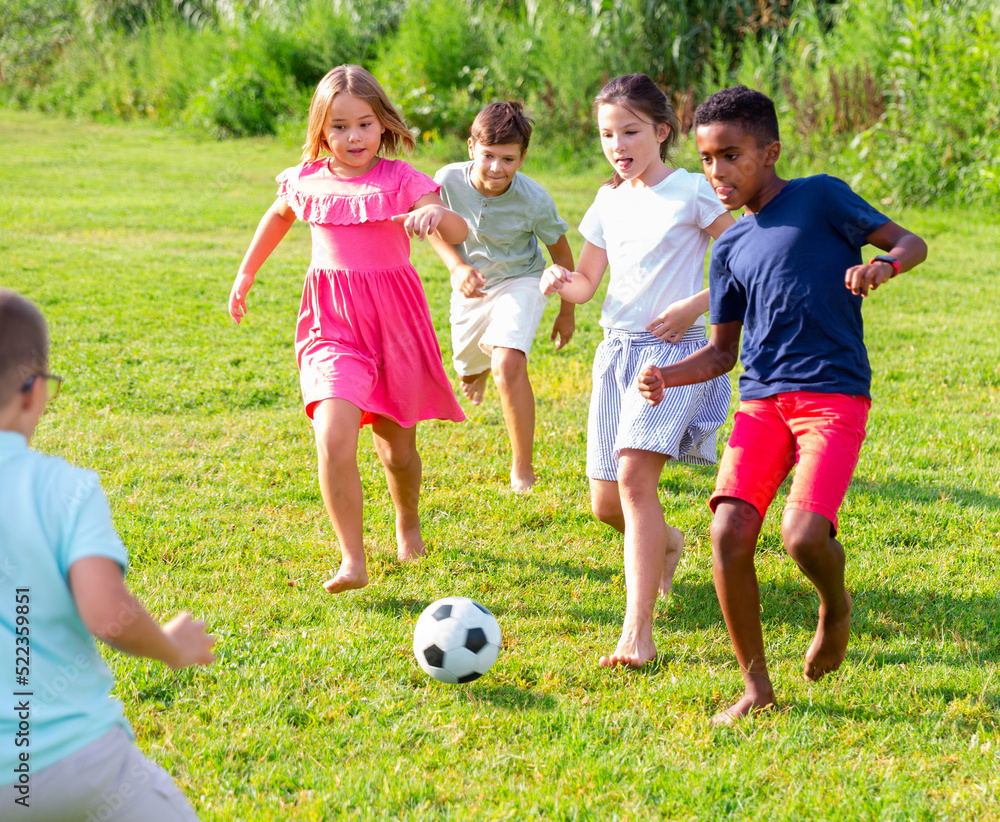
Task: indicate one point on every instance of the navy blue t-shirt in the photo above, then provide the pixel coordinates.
(781, 272)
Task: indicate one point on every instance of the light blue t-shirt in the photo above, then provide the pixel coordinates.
(504, 230)
(51, 515)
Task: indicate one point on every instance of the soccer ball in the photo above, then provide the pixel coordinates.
(456, 640)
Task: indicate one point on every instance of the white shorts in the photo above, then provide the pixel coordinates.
(109, 779)
(507, 317)
(682, 426)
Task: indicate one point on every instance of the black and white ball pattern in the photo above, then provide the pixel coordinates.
(456, 640)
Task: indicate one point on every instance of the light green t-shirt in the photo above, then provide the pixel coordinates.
(53, 675)
(503, 231)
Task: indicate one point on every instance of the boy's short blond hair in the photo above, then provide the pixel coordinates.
(24, 343)
(501, 124)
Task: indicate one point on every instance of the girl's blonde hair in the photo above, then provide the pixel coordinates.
(646, 100)
(357, 82)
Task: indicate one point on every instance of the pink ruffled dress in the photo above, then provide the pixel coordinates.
(364, 331)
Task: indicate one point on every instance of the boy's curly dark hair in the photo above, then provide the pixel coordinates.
(753, 111)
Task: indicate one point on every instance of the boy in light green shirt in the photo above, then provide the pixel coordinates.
(496, 304)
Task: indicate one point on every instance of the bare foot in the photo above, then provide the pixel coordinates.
(521, 482)
(409, 544)
(829, 646)
(348, 578)
(745, 707)
(474, 387)
(675, 547)
(634, 649)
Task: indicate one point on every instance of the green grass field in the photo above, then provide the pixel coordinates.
(129, 237)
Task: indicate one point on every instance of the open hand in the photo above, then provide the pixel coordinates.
(563, 328)
(672, 324)
(651, 384)
(194, 645)
(238, 296)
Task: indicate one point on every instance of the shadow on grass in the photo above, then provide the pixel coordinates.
(397, 605)
(514, 698)
(935, 626)
(900, 490)
(967, 708)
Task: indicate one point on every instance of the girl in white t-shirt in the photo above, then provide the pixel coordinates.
(652, 223)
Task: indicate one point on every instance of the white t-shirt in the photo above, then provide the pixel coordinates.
(656, 245)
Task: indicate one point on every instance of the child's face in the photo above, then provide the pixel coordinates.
(736, 167)
(494, 167)
(631, 144)
(353, 134)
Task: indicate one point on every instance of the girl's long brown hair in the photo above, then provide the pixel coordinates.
(358, 82)
(640, 95)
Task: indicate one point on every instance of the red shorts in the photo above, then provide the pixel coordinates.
(820, 435)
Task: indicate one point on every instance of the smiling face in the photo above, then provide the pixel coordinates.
(741, 172)
(494, 167)
(632, 145)
(353, 134)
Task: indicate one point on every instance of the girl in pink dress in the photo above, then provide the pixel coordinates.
(364, 341)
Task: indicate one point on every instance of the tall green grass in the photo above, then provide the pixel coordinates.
(129, 237)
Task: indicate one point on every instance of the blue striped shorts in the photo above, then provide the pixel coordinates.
(682, 426)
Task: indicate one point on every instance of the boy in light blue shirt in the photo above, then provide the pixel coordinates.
(66, 751)
(496, 305)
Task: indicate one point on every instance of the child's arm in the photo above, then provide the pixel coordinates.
(673, 323)
(909, 249)
(116, 617)
(464, 277)
(431, 216)
(565, 324)
(270, 231)
(718, 357)
(579, 285)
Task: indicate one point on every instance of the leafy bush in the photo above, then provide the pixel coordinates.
(122, 76)
(560, 75)
(436, 68)
(33, 34)
(309, 41)
(249, 98)
(899, 97)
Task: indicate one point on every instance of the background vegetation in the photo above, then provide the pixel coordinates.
(128, 237)
(899, 97)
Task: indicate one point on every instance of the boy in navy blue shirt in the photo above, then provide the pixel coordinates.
(791, 275)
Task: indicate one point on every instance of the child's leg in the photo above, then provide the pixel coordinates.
(397, 448)
(474, 386)
(110, 778)
(829, 431)
(808, 540)
(469, 319)
(606, 503)
(510, 373)
(336, 424)
(645, 544)
(735, 528)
